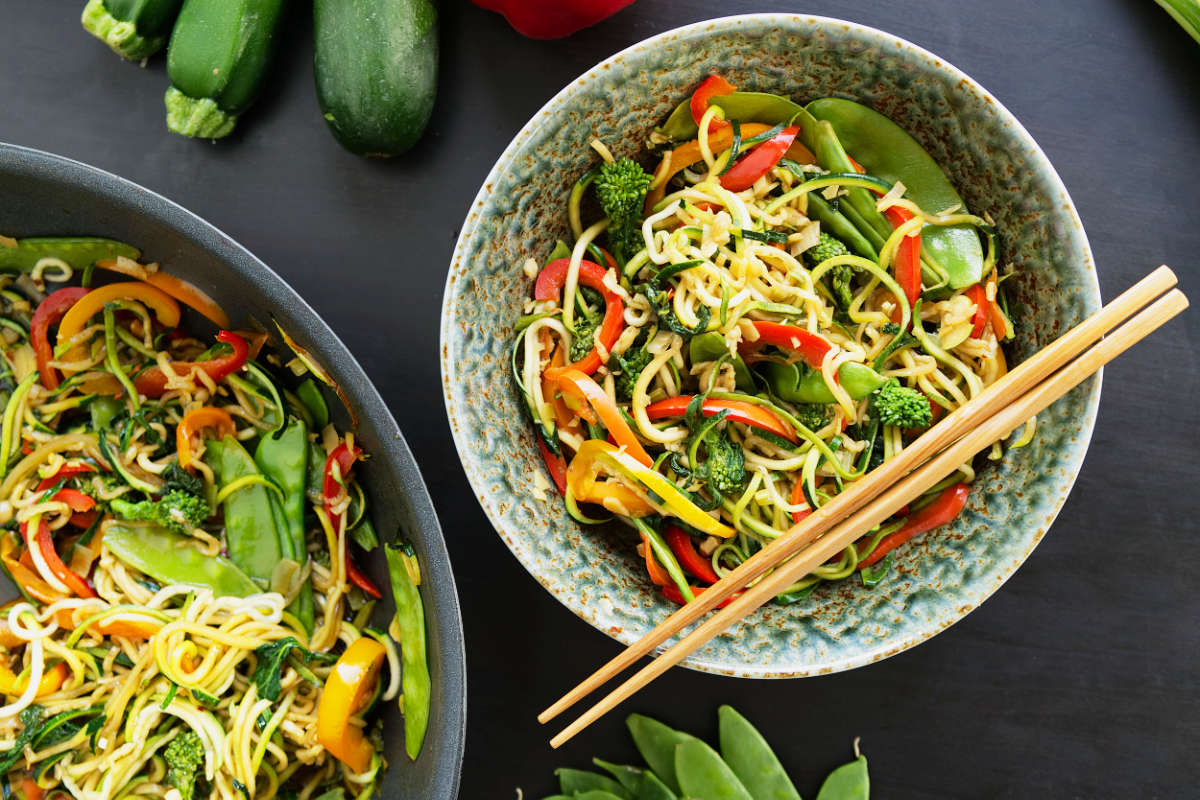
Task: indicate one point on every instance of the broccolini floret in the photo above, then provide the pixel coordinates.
(177, 510)
(812, 415)
(630, 364)
(901, 406)
(828, 247)
(583, 338)
(621, 188)
(184, 755)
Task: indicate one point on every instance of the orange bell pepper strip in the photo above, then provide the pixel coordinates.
(689, 153)
(562, 415)
(347, 691)
(712, 86)
(584, 391)
(1000, 324)
(658, 574)
(31, 790)
(549, 287)
(165, 309)
(187, 293)
(45, 544)
(13, 685)
(24, 576)
(194, 423)
(745, 413)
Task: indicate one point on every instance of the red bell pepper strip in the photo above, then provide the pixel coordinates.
(549, 287)
(948, 505)
(745, 413)
(798, 498)
(759, 161)
(45, 545)
(552, 19)
(556, 465)
(153, 383)
(75, 500)
(908, 256)
(811, 347)
(334, 489)
(710, 87)
(64, 472)
(48, 313)
(672, 593)
(689, 558)
(978, 296)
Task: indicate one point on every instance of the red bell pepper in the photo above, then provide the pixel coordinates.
(978, 296)
(672, 593)
(334, 489)
(745, 413)
(811, 347)
(64, 472)
(759, 161)
(556, 465)
(549, 287)
(691, 560)
(48, 313)
(552, 19)
(153, 383)
(45, 545)
(710, 87)
(945, 507)
(908, 256)
(798, 498)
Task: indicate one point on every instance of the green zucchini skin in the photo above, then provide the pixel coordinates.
(217, 60)
(133, 29)
(376, 71)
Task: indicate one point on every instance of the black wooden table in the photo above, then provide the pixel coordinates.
(1078, 679)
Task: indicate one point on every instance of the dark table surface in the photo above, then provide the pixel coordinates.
(1078, 679)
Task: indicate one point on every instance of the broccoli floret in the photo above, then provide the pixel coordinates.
(184, 755)
(621, 188)
(630, 363)
(840, 276)
(178, 510)
(901, 406)
(726, 464)
(583, 338)
(812, 415)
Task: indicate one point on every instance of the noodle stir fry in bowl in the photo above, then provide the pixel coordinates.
(769, 272)
(185, 504)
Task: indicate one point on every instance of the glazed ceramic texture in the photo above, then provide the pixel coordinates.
(521, 210)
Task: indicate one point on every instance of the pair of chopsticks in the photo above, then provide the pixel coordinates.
(992, 415)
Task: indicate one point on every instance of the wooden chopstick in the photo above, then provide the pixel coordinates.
(886, 503)
(954, 425)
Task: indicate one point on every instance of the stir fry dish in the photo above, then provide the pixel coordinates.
(179, 515)
(785, 300)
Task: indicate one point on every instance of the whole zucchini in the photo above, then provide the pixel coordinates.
(216, 62)
(134, 29)
(376, 71)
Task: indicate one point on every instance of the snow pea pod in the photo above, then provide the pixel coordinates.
(886, 150)
(789, 382)
(80, 252)
(171, 558)
(751, 758)
(641, 783)
(410, 619)
(835, 223)
(577, 781)
(769, 109)
(657, 742)
(847, 782)
(702, 773)
(284, 459)
(251, 534)
(711, 346)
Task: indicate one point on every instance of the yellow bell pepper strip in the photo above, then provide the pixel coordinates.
(583, 484)
(14, 685)
(165, 309)
(672, 501)
(579, 391)
(688, 153)
(187, 293)
(196, 421)
(347, 691)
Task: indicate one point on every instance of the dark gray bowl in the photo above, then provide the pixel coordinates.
(45, 195)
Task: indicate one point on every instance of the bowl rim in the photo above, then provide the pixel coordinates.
(442, 601)
(470, 225)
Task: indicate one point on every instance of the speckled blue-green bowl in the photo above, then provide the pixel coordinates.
(521, 210)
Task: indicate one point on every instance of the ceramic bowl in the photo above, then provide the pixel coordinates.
(44, 195)
(521, 209)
